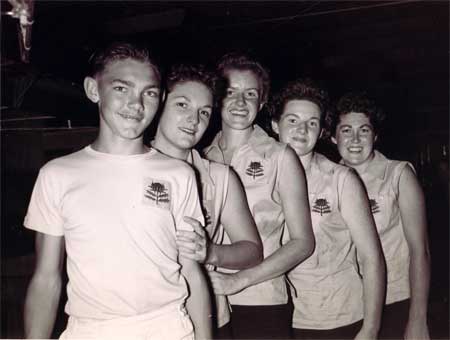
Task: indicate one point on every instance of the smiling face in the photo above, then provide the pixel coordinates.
(355, 138)
(186, 114)
(242, 100)
(299, 126)
(127, 93)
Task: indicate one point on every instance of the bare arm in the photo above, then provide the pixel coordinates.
(246, 249)
(412, 210)
(356, 213)
(294, 198)
(198, 303)
(44, 290)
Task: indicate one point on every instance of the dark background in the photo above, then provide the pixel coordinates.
(396, 50)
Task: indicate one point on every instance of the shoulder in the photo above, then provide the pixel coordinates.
(63, 163)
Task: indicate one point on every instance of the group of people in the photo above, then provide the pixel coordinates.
(251, 237)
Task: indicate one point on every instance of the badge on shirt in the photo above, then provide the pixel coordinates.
(321, 206)
(374, 207)
(157, 193)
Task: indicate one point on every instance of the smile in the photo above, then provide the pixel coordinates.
(355, 149)
(240, 113)
(299, 139)
(130, 117)
(188, 131)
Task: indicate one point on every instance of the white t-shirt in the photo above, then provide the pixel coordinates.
(118, 215)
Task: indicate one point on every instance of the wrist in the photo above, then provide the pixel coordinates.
(211, 255)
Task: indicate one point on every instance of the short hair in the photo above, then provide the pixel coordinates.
(357, 101)
(120, 51)
(300, 89)
(182, 73)
(243, 62)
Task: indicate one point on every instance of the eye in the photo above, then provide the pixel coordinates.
(345, 131)
(251, 94)
(313, 123)
(365, 130)
(292, 120)
(182, 105)
(205, 113)
(229, 92)
(122, 89)
(151, 93)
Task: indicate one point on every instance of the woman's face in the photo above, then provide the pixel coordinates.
(299, 126)
(355, 138)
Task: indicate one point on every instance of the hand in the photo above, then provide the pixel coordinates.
(366, 334)
(226, 284)
(416, 330)
(193, 244)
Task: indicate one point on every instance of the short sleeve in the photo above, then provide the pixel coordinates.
(43, 213)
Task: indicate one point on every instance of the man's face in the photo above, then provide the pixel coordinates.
(128, 94)
(242, 99)
(355, 138)
(299, 125)
(185, 117)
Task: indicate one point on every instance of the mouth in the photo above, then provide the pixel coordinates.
(299, 139)
(188, 131)
(239, 113)
(136, 118)
(355, 149)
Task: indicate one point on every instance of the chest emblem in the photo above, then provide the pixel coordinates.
(157, 193)
(254, 170)
(374, 207)
(321, 206)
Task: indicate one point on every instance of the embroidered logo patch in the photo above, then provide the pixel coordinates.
(157, 193)
(255, 170)
(321, 206)
(374, 206)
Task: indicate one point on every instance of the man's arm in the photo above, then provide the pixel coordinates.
(294, 198)
(356, 213)
(198, 303)
(412, 210)
(246, 249)
(44, 290)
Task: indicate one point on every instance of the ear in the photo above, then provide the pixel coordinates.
(333, 139)
(261, 105)
(375, 139)
(91, 89)
(275, 127)
(321, 133)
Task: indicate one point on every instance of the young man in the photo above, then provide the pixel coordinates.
(331, 300)
(274, 182)
(188, 106)
(115, 207)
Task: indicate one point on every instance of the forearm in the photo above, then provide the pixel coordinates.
(41, 306)
(198, 305)
(419, 278)
(288, 256)
(239, 255)
(374, 291)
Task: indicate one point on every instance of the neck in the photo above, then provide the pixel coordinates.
(361, 168)
(306, 161)
(232, 139)
(169, 150)
(120, 147)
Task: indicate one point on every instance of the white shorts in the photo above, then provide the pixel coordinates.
(173, 324)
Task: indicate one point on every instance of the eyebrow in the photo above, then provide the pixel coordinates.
(131, 84)
(364, 125)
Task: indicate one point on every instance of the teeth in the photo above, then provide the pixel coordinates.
(356, 149)
(238, 112)
(130, 117)
(189, 131)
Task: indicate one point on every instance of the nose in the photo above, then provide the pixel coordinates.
(302, 128)
(240, 99)
(136, 102)
(355, 137)
(193, 117)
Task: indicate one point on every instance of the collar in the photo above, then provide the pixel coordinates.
(201, 165)
(259, 141)
(322, 164)
(377, 167)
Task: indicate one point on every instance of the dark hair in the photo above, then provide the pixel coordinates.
(242, 62)
(299, 89)
(356, 102)
(182, 73)
(120, 51)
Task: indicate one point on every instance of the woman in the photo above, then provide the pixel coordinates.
(398, 207)
(186, 113)
(330, 298)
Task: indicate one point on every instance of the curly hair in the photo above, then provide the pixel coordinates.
(356, 102)
(182, 73)
(120, 51)
(243, 62)
(299, 89)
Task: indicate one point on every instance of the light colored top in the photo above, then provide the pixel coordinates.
(257, 163)
(214, 181)
(381, 179)
(118, 215)
(326, 288)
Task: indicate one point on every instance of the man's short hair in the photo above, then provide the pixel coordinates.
(300, 89)
(356, 102)
(243, 62)
(120, 51)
